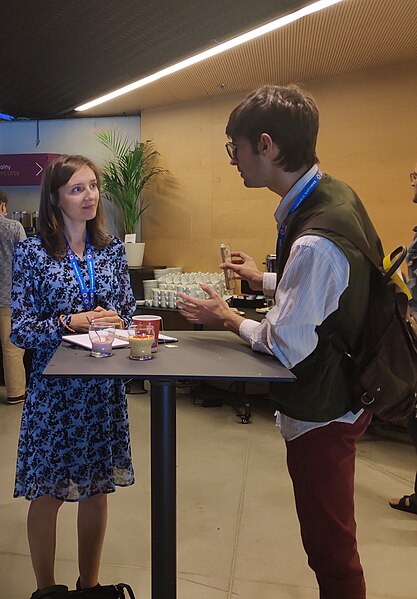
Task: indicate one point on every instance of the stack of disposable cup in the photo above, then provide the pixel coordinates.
(148, 285)
(172, 298)
(159, 272)
(174, 270)
(156, 297)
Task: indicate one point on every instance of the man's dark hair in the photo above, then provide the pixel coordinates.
(288, 115)
(3, 197)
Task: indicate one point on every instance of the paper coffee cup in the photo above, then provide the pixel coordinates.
(155, 321)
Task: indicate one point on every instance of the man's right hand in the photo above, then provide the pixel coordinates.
(244, 267)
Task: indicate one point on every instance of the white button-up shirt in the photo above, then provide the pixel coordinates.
(315, 276)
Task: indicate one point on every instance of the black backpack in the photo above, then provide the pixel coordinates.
(383, 364)
(110, 591)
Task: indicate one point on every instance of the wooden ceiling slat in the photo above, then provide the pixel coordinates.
(354, 35)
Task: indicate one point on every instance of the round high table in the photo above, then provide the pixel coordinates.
(199, 355)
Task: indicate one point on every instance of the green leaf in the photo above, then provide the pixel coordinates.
(128, 171)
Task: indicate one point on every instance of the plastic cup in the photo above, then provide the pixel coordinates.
(141, 337)
(155, 321)
(148, 285)
(101, 337)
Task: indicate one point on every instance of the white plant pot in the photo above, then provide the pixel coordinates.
(134, 253)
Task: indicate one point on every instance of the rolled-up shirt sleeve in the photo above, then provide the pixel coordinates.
(315, 276)
(269, 284)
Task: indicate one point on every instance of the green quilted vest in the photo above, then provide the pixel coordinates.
(322, 390)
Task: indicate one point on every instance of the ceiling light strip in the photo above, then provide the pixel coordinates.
(241, 39)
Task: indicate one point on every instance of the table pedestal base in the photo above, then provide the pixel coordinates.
(163, 490)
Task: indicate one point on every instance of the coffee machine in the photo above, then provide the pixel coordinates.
(29, 220)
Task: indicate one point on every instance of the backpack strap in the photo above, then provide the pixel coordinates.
(336, 226)
(396, 257)
(391, 264)
(123, 585)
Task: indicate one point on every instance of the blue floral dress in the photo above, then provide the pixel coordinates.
(74, 437)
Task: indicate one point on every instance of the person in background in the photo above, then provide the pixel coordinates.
(11, 233)
(74, 439)
(408, 503)
(322, 281)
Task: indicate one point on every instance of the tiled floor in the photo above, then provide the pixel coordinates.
(237, 530)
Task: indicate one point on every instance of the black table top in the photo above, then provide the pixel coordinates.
(198, 355)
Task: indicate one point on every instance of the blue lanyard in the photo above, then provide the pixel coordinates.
(304, 193)
(87, 295)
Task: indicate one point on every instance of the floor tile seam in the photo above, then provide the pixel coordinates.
(384, 470)
(279, 584)
(67, 560)
(271, 583)
(202, 584)
(385, 596)
(126, 566)
(239, 514)
(14, 553)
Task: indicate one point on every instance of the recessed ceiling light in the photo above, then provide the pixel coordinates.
(241, 39)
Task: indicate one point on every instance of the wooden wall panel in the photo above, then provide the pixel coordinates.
(367, 138)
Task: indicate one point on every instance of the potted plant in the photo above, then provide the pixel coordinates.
(130, 169)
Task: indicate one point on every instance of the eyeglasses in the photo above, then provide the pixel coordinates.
(231, 149)
(413, 177)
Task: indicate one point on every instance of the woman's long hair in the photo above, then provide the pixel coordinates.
(51, 223)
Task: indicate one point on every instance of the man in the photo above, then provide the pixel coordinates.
(408, 503)
(11, 232)
(321, 284)
(412, 251)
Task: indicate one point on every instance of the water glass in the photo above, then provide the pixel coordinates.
(101, 337)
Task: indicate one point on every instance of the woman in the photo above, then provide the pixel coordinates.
(74, 439)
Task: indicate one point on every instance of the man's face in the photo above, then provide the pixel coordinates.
(413, 177)
(3, 209)
(251, 166)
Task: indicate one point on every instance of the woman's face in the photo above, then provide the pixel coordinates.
(78, 199)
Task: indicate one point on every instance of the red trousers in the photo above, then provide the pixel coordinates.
(321, 464)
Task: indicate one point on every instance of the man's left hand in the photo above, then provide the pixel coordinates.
(213, 311)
